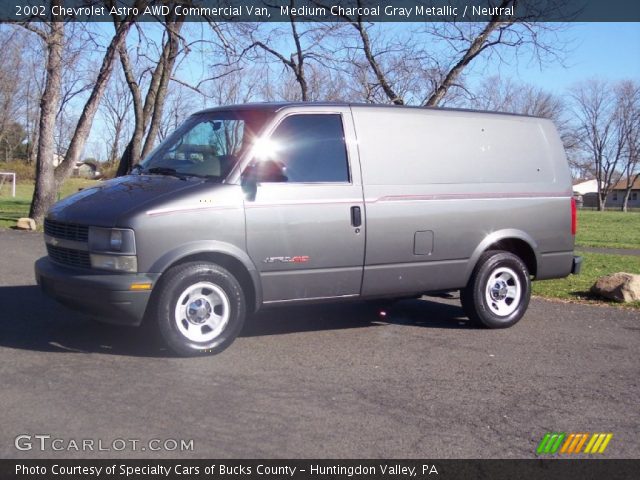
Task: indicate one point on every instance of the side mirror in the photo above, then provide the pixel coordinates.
(249, 182)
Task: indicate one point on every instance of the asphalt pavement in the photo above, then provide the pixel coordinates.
(315, 382)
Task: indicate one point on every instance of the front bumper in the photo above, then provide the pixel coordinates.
(576, 265)
(104, 295)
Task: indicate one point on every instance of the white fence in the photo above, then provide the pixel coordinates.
(3, 177)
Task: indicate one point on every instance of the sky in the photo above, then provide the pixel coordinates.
(610, 51)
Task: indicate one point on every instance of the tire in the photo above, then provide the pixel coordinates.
(498, 292)
(200, 308)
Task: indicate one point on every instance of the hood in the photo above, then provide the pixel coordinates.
(104, 204)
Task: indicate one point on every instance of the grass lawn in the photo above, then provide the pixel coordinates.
(11, 209)
(608, 229)
(594, 265)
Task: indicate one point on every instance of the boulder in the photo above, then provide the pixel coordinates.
(26, 224)
(621, 287)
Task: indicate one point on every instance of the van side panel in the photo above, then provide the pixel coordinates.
(460, 176)
(300, 235)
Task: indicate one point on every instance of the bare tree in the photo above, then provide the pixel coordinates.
(388, 66)
(505, 95)
(48, 177)
(237, 85)
(599, 132)
(16, 97)
(307, 40)
(374, 59)
(330, 85)
(149, 112)
(116, 109)
(475, 43)
(179, 104)
(628, 124)
(78, 76)
(425, 66)
(33, 79)
(45, 188)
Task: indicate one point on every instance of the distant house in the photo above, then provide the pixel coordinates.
(586, 186)
(85, 170)
(616, 196)
(586, 192)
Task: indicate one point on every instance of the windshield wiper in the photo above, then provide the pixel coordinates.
(205, 176)
(165, 171)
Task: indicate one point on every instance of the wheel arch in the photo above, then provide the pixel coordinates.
(227, 256)
(514, 241)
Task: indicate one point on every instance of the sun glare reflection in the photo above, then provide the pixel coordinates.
(265, 149)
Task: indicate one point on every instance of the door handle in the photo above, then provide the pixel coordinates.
(356, 217)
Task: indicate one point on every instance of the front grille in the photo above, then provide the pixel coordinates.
(68, 256)
(68, 231)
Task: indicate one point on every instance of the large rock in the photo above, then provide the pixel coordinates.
(26, 224)
(621, 287)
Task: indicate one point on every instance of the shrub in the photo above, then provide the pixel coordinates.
(24, 172)
(107, 170)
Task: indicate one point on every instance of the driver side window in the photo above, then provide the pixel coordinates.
(308, 148)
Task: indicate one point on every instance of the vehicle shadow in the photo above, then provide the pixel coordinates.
(293, 319)
(31, 321)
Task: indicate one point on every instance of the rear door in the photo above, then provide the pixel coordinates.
(305, 226)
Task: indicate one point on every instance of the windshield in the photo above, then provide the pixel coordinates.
(207, 145)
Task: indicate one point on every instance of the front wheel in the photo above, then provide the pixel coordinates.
(200, 308)
(497, 295)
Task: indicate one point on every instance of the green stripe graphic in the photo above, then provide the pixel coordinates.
(555, 448)
(551, 442)
(547, 448)
(543, 443)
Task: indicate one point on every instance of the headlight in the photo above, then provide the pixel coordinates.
(120, 240)
(120, 263)
(115, 241)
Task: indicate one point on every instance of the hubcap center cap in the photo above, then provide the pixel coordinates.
(499, 290)
(198, 311)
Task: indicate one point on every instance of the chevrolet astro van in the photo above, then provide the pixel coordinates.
(255, 205)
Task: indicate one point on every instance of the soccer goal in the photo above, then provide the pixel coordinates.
(3, 179)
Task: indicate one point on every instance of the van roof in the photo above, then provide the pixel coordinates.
(277, 106)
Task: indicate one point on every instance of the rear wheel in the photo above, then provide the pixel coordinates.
(200, 308)
(498, 292)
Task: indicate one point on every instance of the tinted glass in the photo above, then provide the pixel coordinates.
(309, 148)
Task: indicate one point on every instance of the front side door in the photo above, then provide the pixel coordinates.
(305, 223)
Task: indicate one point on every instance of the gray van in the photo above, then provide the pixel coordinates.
(249, 206)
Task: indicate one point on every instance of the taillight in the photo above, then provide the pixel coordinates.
(574, 217)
